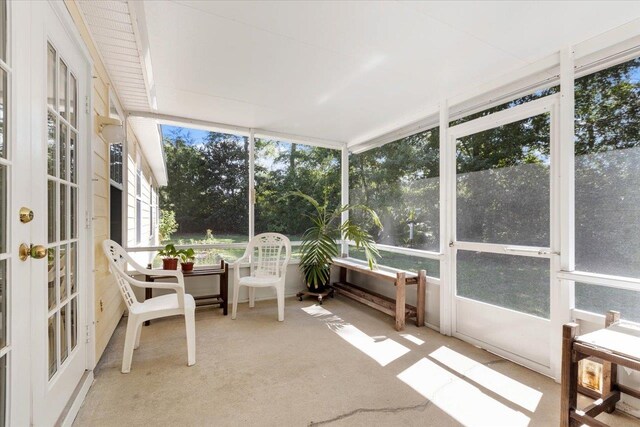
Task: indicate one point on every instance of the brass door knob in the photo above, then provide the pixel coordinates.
(33, 251)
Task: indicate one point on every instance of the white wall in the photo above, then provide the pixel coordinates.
(210, 285)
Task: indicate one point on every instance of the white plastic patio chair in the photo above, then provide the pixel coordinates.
(153, 308)
(268, 268)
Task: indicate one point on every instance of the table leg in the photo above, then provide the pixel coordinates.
(569, 376)
(400, 300)
(422, 296)
(224, 288)
(148, 294)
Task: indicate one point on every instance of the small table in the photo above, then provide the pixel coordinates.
(221, 299)
(616, 345)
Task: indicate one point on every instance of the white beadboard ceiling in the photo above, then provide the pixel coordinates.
(115, 31)
(339, 71)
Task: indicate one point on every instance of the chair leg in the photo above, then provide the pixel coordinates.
(138, 333)
(252, 297)
(234, 303)
(189, 320)
(280, 296)
(129, 343)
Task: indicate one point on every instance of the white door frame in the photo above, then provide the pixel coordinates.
(28, 37)
(549, 104)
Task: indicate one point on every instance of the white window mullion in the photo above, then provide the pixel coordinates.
(344, 165)
(252, 184)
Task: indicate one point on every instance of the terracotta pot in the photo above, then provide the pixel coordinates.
(186, 266)
(169, 263)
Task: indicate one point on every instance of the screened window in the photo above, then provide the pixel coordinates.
(607, 171)
(206, 199)
(400, 181)
(151, 210)
(138, 206)
(601, 299)
(503, 183)
(115, 163)
(282, 167)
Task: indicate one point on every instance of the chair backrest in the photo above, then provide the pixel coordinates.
(118, 260)
(270, 254)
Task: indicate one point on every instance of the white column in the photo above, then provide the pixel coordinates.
(563, 230)
(447, 264)
(252, 184)
(344, 200)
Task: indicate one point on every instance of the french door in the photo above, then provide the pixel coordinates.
(48, 186)
(504, 248)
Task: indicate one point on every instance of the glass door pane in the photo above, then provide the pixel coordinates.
(62, 212)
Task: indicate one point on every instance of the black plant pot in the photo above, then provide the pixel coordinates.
(320, 289)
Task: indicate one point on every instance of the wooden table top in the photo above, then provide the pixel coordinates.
(621, 338)
(208, 270)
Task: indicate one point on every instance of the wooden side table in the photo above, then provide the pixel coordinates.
(616, 345)
(220, 300)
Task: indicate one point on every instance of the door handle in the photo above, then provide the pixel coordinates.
(33, 251)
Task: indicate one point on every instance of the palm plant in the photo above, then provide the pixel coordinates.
(319, 245)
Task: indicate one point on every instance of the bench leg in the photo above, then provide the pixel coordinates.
(610, 370)
(400, 300)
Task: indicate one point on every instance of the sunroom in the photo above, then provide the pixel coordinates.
(486, 153)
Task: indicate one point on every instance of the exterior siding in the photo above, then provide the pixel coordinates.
(109, 306)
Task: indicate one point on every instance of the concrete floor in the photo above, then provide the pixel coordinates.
(257, 371)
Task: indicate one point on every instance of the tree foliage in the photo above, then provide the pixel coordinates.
(502, 183)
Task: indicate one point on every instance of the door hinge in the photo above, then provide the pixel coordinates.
(88, 336)
(87, 224)
(86, 104)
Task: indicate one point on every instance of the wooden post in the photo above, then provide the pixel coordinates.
(422, 297)
(569, 376)
(224, 287)
(400, 300)
(610, 370)
(343, 275)
(612, 317)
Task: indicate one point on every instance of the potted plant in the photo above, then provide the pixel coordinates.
(169, 257)
(187, 259)
(319, 245)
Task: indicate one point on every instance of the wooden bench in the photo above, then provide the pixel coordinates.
(397, 307)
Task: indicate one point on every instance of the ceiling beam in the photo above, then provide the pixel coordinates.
(234, 129)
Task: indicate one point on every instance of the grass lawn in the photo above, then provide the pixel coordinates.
(518, 283)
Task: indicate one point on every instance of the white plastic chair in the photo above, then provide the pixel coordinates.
(268, 268)
(153, 308)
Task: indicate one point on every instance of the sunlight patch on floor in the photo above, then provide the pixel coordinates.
(381, 349)
(412, 338)
(512, 390)
(461, 400)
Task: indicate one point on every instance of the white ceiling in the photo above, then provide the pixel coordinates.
(347, 71)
